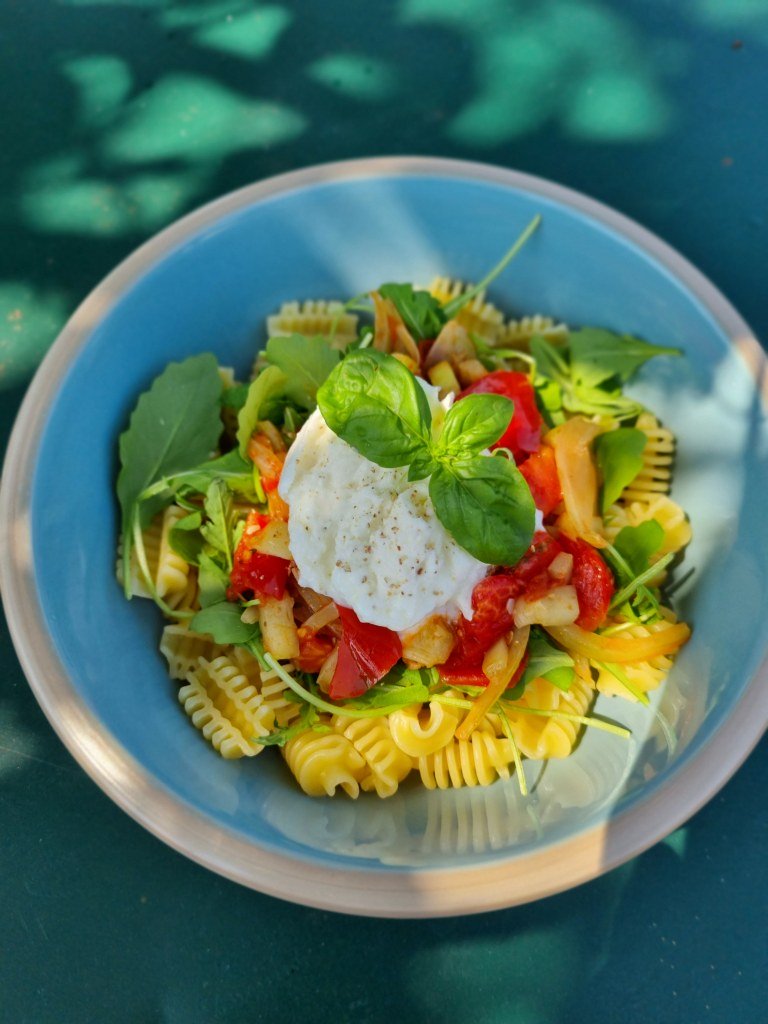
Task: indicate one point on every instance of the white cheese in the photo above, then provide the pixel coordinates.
(369, 539)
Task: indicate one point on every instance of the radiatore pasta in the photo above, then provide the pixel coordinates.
(354, 705)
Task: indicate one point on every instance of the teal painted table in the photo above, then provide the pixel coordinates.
(118, 118)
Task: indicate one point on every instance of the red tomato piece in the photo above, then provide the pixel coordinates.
(458, 675)
(366, 653)
(491, 598)
(313, 651)
(540, 473)
(593, 581)
(256, 574)
(523, 435)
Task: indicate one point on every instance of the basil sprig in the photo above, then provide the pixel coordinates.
(375, 404)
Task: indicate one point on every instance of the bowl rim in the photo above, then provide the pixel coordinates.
(421, 892)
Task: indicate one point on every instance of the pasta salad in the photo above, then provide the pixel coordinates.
(418, 543)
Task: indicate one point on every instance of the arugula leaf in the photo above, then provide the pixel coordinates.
(546, 661)
(234, 397)
(619, 456)
(306, 363)
(217, 531)
(589, 373)
(266, 396)
(455, 305)
(375, 404)
(222, 622)
(486, 505)
(235, 471)
(185, 537)
(422, 314)
(175, 425)
(400, 687)
(213, 581)
(308, 718)
(599, 356)
(630, 559)
(637, 544)
(474, 423)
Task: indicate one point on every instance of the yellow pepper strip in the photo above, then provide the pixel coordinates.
(499, 680)
(578, 476)
(619, 649)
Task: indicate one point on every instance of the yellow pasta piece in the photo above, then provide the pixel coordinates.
(226, 707)
(172, 572)
(324, 762)
(182, 648)
(387, 764)
(169, 572)
(478, 316)
(666, 512)
(518, 333)
(478, 761)
(540, 737)
(656, 475)
(314, 318)
(270, 685)
(420, 730)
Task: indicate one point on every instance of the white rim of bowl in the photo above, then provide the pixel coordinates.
(366, 891)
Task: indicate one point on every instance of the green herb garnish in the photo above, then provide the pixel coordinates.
(176, 425)
(375, 404)
(619, 456)
(589, 372)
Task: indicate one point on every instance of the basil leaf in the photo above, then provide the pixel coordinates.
(474, 423)
(421, 313)
(422, 465)
(637, 544)
(185, 538)
(545, 661)
(486, 505)
(306, 363)
(175, 425)
(619, 457)
(217, 531)
(266, 397)
(222, 622)
(212, 580)
(375, 404)
(598, 356)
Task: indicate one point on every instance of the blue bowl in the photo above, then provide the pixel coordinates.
(207, 283)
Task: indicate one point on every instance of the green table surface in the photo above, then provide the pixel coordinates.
(120, 116)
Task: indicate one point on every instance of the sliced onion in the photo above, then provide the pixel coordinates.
(322, 617)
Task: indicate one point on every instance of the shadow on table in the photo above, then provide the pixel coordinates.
(129, 114)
